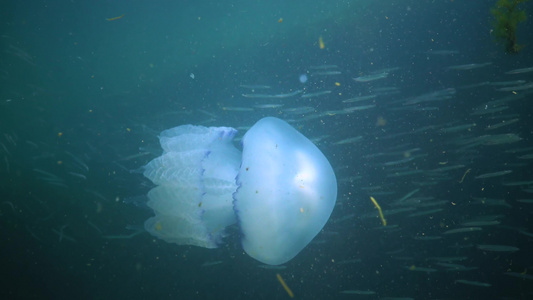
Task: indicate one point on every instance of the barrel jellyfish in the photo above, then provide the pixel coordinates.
(280, 190)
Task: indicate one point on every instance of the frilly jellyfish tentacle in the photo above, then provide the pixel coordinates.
(196, 180)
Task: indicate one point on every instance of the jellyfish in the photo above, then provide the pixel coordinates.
(280, 190)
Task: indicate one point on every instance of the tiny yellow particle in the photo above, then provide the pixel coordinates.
(158, 226)
(321, 43)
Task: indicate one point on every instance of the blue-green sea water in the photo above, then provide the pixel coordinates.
(414, 103)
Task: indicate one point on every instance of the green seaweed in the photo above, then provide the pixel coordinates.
(506, 19)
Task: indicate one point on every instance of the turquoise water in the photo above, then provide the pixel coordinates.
(412, 103)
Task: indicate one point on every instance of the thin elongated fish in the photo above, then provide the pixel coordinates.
(529, 201)
(349, 261)
(299, 110)
(342, 219)
(270, 267)
(411, 193)
(520, 71)
(425, 213)
(439, 95)
(442, 52)
(520, 150)
(498, 139)
(357, 108)
(522, 87)
(333, 113)
(398, 162)
(469, 66)
(360, 98)
(494, 174)
(457, 128)
(519, 275)
(485, 111)
(351, 140)
(372, 77)
(421, 269)
(269, 96)
(448, 168)
(427, 238)
(133, 156)
(526, 233)
(474, 283)
(450, 266)
(78, 175)
(386, 90)
(502, 124)
(385, 70)
(323, 67)
(122, 236)
(517, 183)
(481, 223)
(462, 230)
(492, 202)
(211, 263)
(357, 292)
(316, 94)
(268, 105)
(404, 173)
(449, 258)
(504, 83)
(46, 174)
(254, 86)
(326, 73)
(397, 211)
(78, 160)
(233, 108)
(94, 226)
(475, 85)
(497, 248)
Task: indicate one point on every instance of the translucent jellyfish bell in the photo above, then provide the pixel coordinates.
(287, 191)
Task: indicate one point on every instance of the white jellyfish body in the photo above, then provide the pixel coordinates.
(281, 190)
(287, 190)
